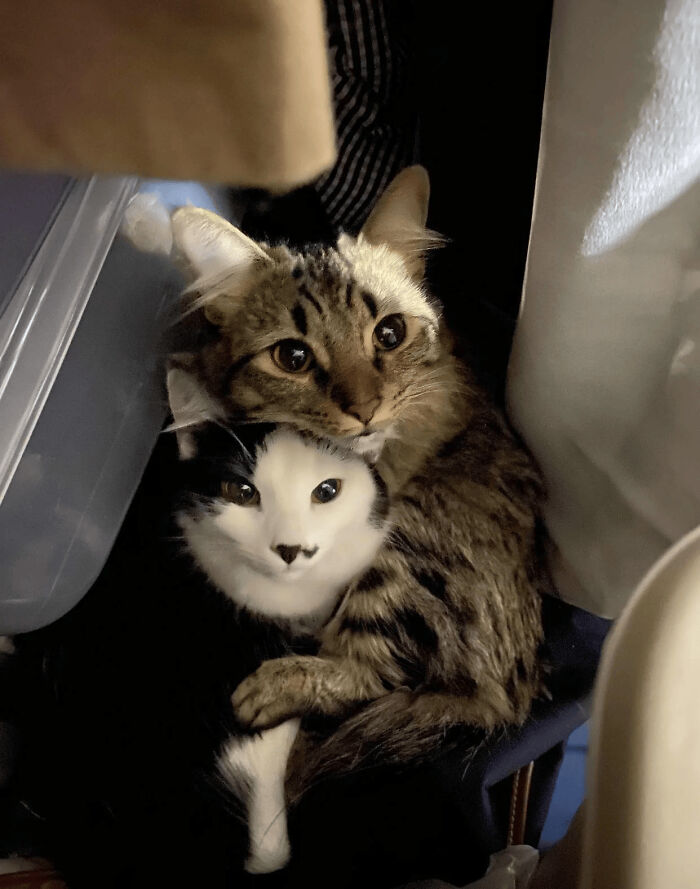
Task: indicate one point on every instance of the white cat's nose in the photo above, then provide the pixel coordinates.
(287, 553)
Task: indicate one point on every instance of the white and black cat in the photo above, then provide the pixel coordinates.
(133, 748)
(280, 523)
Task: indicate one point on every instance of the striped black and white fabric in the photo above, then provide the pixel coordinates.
(370, 44)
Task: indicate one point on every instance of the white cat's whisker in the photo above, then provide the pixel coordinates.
(236, 438)
(226, 546)
(184, 424)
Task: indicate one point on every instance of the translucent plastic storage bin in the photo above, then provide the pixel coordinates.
(82, 318)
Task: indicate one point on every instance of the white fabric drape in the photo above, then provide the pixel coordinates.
(604, 381)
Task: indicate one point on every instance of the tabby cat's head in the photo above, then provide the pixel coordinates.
(340, 341)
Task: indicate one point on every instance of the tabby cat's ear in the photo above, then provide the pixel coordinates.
(212, 249)
(211, 245)
(399, 216)
(191, 407)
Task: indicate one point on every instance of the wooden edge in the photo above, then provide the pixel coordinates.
(519, 800)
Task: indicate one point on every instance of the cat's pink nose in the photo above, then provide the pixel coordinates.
(287, 553)
(365, 411)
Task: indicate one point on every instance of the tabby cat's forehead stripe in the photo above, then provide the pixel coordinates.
(370, 302)
(304, 291)
(299, 318)
(348, 294)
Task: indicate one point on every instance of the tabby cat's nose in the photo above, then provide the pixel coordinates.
(288, 553)
(365, 411)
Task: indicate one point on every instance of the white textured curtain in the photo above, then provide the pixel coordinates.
(604, 381)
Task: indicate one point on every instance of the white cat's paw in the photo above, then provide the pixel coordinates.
(271, 853)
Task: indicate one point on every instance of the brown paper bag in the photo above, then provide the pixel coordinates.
(230, 91)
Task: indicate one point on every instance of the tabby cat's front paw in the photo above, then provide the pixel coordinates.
(275, 692)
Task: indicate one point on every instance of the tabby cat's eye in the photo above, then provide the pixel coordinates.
(325, 492)
(390, 332)
(240, 492)
(292, 356)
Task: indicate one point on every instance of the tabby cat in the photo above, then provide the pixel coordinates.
(444, 628)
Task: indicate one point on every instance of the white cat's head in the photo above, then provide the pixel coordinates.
(291, 502)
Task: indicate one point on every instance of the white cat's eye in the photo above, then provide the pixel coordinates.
(240, 492)
(390, 332)
(292, 356)
(328, 490)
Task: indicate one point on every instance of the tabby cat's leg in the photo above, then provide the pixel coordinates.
(293, 686)
(387, 630)
(370, 646)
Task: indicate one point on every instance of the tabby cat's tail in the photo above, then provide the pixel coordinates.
(402, 727)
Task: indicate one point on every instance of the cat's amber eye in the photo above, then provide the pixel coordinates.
(240, 492)
(390, 332)
(328, 490)
(292, 356)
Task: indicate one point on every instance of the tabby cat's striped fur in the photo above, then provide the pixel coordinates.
(444, 628)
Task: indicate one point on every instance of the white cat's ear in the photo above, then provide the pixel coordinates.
(191, 406)
(212, 246)
(399, 216)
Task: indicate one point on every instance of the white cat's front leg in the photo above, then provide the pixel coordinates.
(259, 762)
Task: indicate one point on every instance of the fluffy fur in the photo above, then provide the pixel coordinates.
(450, 609)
